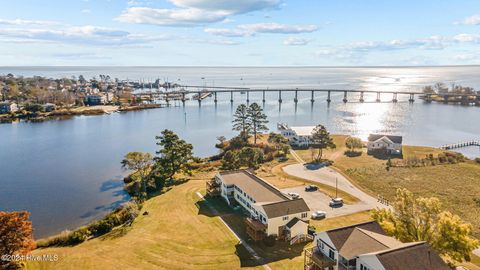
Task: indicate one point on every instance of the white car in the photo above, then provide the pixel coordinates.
(294, 195)
(319, 215)
(336, 202)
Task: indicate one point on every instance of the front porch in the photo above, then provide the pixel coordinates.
(213, 188)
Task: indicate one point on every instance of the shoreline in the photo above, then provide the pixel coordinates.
(71, 112)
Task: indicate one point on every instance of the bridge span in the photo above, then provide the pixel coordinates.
(180, 92)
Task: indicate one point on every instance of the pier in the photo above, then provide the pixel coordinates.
(460, 145)
(207, 91)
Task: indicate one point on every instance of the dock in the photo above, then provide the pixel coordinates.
(460, 145)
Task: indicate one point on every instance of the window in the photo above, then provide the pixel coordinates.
(304, 215)
(331, 254)
(285, 218)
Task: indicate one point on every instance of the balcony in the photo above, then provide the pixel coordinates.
(316, 260)
(213, 188)
(255, 229)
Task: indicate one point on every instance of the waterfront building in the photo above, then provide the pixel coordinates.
(92, 100)
(297, 136)
(366, 246)
(49, 107)
(269, 211)
(8, 107)
(388, 144)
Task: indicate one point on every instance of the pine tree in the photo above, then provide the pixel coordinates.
(257, 120)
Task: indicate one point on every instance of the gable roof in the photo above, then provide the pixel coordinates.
(393, 138)
(340, 235)
(285, 208)
(292, 222)
(303, 130)
(362, 241)
(255, 187)
(417, 255)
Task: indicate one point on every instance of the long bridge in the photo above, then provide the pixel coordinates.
(200, 92)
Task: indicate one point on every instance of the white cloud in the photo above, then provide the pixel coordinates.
(278, 28)
(231, 6)
(193, 12)
(472, 20)
(294, 41)
(20, 22)
(467, 38)
(245, 30)
(170, 17)
(80, 35)
(86, 10)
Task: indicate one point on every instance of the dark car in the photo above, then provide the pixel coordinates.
(311, 188)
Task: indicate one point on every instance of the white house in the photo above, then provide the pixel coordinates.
(270, 212)
(365, 246)
(388, 144)
(297, 136)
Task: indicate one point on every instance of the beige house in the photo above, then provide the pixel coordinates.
(270, 212)
(365, 246)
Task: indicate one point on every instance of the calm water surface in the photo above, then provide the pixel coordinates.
(67, 173)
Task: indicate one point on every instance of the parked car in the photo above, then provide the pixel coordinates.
(319, 215)
(311, 188)
(293, 195)
(336, 202)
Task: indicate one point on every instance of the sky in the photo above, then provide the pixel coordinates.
(239, 32)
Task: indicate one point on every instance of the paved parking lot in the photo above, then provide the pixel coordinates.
(317, 200)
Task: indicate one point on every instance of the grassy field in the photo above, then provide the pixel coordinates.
(178, 233)
(456, 185)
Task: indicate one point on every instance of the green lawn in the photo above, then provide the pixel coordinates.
(179, 233)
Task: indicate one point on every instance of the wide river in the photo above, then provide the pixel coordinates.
(67, 173)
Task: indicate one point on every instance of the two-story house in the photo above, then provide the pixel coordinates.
(297, 136)
(388, 144)
(270, 212)
(365, 246)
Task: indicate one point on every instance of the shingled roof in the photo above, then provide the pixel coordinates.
(415, 256)
(285, 208)
(339, 236)
(393, 138)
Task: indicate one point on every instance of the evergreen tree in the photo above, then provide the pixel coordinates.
(257, 120)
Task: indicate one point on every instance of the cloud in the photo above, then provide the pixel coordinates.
(170, 17)
(86, 10)
(230, 6)
(20, 22)
(193, 12)
(467, 38)
(472, 20)
(245, 30)
(80, 35)
(294, 41)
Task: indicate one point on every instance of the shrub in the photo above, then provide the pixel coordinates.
(78, 236)
(477, 160)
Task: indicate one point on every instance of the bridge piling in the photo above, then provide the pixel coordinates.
(412, 98)
(248, 96)
(395, 100)
(280, 96)
(378, 97)
(231, 96)
(215, 99)
(313, 97)
(263, 97)
(296, 97)
(361, 97)
(328, 97)
(345, 100)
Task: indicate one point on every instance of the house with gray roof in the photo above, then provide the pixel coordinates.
(366, 246)
(270, 211)
(388, 144)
